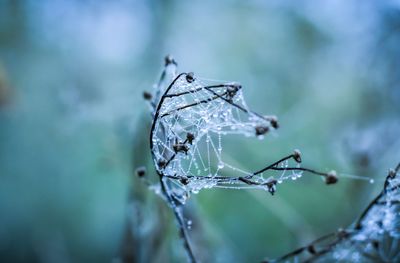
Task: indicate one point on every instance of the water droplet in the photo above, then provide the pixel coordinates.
(371, 181)
(221, 165)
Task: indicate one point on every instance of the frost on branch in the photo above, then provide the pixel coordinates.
(191, 116)
(374, 237)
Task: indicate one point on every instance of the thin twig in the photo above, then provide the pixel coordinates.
(345, 234)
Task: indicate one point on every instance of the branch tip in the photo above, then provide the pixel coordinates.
(190, 137)
(392, 173)
(169, 60)
(274, 121)
(147, 95)
(140, 171)
(161, 164)
(261, 130)
(297, 155)
(190, 77)
(331, 177)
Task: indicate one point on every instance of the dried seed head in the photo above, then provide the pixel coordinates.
(232, 90)
(141, 171)
(169, 60)
(331, 178)
(273, 120)
(392, 174)
(271, 185)
(184, 180)
(297, 156)
(190, 77)
(180, 147)
(147, 95)
(190, 137)
(161, 164)
(261, 130)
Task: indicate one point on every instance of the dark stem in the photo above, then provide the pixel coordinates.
(179, 218)
(273, 164)
(164, 187)
(191, 105)
(196, 90)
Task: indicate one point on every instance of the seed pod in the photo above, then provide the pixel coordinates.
(271, 186)
(392, 174)
(261, 130)
(274, 122)
(141, 171)
(190, 77)
(331, 178)
(184, 180)
(190, 137)
(297, 156)
(169, 60)
(161, 164)
(180, 147)
(147, 95)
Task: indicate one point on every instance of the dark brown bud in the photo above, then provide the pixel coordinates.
(147, 95)
(297, 156)
(271, 186)
(392, 174)
(184, 180)
(161, 164)
(232, 90)
(169, 60)
(190, 137)
(190, 77)
(180, 147)
(331, 178)
(141, 171)
(274, 122)
(261, 130)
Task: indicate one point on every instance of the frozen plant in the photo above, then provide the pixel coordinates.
(374, 237)
(190, 118)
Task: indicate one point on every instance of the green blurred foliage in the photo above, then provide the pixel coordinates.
(73, 125)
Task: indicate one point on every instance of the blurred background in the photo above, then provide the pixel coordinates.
(74, 126)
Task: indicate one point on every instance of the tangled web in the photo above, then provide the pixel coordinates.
(191, 116)
(374, 237)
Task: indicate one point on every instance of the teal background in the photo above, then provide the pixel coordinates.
(74, 126)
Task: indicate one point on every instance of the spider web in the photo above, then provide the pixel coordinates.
(191, 118)
(375, 236)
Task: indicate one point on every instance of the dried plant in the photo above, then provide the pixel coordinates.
(190, 118)
(374, 237)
